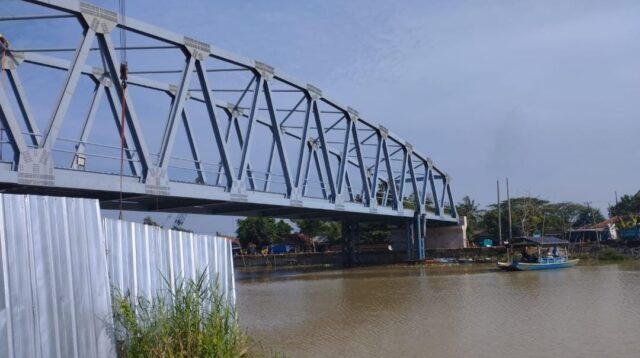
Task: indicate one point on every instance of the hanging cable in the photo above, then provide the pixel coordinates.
(124, 72)
(5, 48)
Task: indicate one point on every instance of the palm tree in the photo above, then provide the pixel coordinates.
(468, 207)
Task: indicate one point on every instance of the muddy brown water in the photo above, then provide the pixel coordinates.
(591, 310)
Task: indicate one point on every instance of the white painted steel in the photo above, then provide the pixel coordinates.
(142, 257)
(54, 288)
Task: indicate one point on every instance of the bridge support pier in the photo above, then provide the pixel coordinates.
(350, 239)
(415, 241)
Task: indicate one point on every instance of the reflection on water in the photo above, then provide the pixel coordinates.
(457, 311)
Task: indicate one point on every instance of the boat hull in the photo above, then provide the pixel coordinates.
(523, 266)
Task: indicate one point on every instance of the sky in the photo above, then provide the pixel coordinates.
(546, 93)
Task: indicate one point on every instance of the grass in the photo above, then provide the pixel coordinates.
(190, 319)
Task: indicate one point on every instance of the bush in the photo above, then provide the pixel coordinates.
(192, 320)
(610, 255)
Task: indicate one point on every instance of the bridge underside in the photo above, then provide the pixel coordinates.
(110, 200)
(195, 129)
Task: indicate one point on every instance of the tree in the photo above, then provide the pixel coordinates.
(468, 207)
(262, 231)
(527, 216)
(588, 216)
(628, 204)
(312, 228)
(283, 230)
(374, 233)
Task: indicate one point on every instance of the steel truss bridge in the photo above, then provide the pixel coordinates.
(206, 131)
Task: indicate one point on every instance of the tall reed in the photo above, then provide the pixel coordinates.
(187, 319)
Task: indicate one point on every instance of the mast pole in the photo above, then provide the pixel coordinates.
(499, 214)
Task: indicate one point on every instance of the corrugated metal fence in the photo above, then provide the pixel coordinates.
(54, 274)
(54, 288)
(142, 257)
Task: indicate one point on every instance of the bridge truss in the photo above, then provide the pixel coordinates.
(206, 131)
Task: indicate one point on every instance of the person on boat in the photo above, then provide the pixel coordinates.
(525, 255)
(555, 251)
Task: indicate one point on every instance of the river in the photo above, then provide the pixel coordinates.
(444, 311)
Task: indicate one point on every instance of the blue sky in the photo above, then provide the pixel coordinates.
(544, 92)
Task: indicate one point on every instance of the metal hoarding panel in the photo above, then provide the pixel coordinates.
(142, 257)
(55, 289)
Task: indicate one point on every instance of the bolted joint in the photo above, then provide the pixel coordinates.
(198, 49)
(313, 143)
(353, 114)
(100, 20)
(429, 163)
(12, 60)
(266, 71)
(234, 111)
(408, 147)
(384, 132)
(173, 89)
(314, 92)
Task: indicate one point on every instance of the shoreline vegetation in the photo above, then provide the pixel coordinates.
(188, 318)
(592, 253)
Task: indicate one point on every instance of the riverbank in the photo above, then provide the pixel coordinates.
(377, 257)
(364, 257)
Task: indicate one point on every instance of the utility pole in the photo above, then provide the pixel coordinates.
(499, 215)
(509, 208)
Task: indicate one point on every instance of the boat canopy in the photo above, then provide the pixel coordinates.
(538, 241)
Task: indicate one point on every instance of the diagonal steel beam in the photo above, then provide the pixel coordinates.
(25, 108)
(414, 183)
(133, 124)
(307, 167)
(267, 177)
(193, 147)
(277, 137)
(88, 124)
(71, 81)
(226, 139)
(211, 108)
(10, 125)
(390, 182)
(403, 176)
(361, 165)
(168, 139)
(436, 202)
(325, 152)
(246, 149)
(241, 141)
(374, 181)
(452, 207)
(136, 168)
(292, 111)
(320, 175)
(303, 144)
(344, 159)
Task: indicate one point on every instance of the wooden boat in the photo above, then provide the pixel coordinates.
(552, 253)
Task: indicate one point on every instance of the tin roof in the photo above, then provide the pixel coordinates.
(538, 241)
